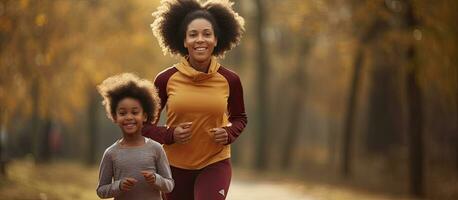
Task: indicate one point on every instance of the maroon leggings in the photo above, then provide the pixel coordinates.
(210, 183)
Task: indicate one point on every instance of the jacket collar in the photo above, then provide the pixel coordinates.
(185, 67)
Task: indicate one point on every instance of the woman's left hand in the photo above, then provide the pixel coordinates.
(220, 134)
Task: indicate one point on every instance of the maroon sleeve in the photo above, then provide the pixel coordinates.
(161, 134)
(235, 105)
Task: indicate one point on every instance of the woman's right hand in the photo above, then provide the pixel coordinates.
(182, 133)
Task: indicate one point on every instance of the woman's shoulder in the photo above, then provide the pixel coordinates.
(230, 75)
(165, 74)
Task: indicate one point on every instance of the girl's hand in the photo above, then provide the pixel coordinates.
(221, 136)
(127, 184)
(150, 177)
(182, 133)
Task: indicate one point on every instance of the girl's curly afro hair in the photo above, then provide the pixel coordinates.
(118, 87)
(173, 16)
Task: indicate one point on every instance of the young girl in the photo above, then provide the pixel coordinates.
(137, 165)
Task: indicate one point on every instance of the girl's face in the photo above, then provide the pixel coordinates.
(200, 40)
(130, 116)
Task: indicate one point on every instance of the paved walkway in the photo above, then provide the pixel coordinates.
(74, 181)
(253, 190)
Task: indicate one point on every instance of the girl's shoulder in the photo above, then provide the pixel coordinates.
(109, 151)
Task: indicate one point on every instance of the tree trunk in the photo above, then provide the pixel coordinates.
(36, 120)
(455, 61)
(350, 114)
(375, 30)
(414, 98)
(44, 33)
(296, 106)
(2, 144)
(415, 134)
(385, 108)
(92, 125)
(45, 147)
(262, 85)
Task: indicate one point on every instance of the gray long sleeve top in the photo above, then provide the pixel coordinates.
(120, 162)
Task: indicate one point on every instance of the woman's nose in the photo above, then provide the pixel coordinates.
(200, 38)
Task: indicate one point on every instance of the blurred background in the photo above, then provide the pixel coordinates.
(341, 95)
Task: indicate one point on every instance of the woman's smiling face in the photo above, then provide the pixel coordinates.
(200, 40)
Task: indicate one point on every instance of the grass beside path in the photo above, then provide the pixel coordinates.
(60, 180)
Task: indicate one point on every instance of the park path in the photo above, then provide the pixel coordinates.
(74, 181)
(254, 190)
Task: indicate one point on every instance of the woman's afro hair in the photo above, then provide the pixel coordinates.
(170, 25)
(118, 87)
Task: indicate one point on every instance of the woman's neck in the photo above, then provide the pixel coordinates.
(132, 140)
(200, 66)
